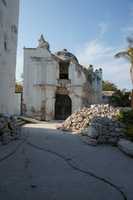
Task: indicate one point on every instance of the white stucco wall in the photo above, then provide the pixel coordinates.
(76, 79)
(40, 70)
(9, 13)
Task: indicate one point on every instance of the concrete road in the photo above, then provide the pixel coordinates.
(48, 164)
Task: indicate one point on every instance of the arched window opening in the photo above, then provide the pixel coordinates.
(64, 70)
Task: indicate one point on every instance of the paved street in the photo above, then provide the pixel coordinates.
(54, 165)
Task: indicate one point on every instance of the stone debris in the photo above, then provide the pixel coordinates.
(105, 130)
(97, 122)
(9, 129)
(126, 146)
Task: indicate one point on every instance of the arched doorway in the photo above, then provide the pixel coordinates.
(63, 107)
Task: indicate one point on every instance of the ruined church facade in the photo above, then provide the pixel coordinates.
(55, 85)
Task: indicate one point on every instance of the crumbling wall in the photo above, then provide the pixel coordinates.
(92, 88)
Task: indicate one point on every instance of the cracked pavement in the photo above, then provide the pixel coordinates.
(54, 165)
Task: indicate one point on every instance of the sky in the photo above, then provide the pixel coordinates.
(93, 30)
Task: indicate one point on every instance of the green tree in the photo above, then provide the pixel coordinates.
(121, 98)
(108, 86)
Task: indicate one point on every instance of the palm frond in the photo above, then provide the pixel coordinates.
(121, 54)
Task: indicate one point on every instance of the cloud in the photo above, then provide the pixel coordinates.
(101, 55)
(93, 51)
(103, 28)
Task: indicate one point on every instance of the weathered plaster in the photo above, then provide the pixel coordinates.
(9, 12)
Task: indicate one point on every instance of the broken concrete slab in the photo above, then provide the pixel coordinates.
(29, 120)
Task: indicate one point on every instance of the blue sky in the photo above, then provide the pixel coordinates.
(94, 30)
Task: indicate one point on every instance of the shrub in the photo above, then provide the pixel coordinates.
(126, 117)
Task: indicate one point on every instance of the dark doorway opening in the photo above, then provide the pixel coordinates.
(63, 107)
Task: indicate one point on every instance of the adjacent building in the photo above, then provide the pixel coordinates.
(9, 14)
(106, 96)
(55, 85)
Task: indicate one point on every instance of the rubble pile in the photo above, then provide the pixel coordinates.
(79, 120)
(9, 129)
(98, 122)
